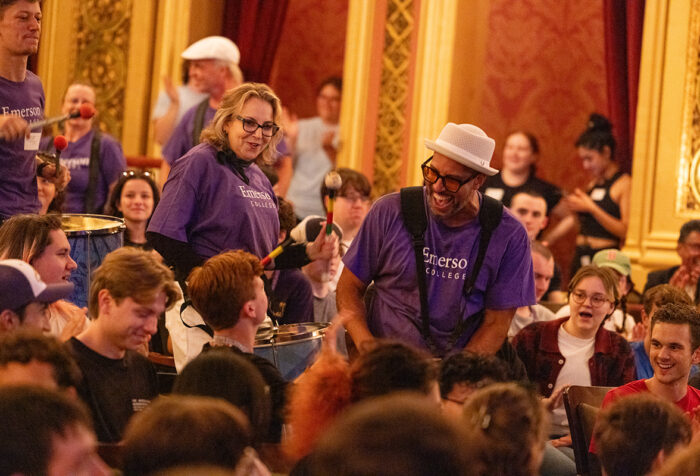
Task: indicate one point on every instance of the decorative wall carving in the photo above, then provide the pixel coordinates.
(688, 195)
(103, 28)
(393, 96)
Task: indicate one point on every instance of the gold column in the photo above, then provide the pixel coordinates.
(667, 138)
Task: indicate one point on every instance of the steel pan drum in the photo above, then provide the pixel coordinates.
(91, 238)
(291, 347)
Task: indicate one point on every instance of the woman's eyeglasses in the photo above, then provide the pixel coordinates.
(136, 173)
(451, 184)
(597, 300)
(269, 129)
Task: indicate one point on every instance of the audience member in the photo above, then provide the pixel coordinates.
(94, 159)
(320, 274)
(134, 197)
(40, 241)
(675, 343)
(352, 202)
(685, 276)
(30, 358)
(129, 291)
(222, 374)
(390, 436)
(313, 144)
(654, 298)
(288, 290)
(506, 428)
(173, 102)
(51, 198)
(520, 153)
(463, 373)
(684, 462)
(603, 209)
(617, 261)
(543, 269)
(637, 434)
(331, 385)
(454, 315)
(181, 430)
(576, 350)
(46, 433)
(25, 298)
(214, 66)
(229, 294)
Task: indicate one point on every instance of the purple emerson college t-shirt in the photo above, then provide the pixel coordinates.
(181, 139)
(76, 158)
(208, 206)
(382, 251)
(18, 191)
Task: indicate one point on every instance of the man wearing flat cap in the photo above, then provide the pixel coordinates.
(214, 66)
(465, 310)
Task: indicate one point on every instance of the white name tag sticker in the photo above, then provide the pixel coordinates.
(496, 193)
(32, 142)
(597, 194)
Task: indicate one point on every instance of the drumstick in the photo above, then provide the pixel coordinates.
(276, 252)
(333, 182)
(59, 144)
(86, 111)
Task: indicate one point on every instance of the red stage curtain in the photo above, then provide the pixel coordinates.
(624, 20)
(256, 27)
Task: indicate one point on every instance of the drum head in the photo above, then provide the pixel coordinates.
(289, 333)
(83, 224)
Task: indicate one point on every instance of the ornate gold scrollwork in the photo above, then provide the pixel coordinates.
(393, 96)
(103, 42)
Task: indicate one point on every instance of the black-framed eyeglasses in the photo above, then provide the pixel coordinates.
(597, 300)
(136, 173)
(451, 184)
(269, 129)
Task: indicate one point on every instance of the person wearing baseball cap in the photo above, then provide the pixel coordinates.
(465, 306)
(213, 70)
(24, 297)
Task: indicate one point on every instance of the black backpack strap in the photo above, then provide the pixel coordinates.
(490, 215)
(415, 220)
(203, 327)
(199, 121)
(94, 172)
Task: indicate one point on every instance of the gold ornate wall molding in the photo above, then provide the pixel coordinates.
(393, 96)
(688, 198)
(102, 56)
(666, 135)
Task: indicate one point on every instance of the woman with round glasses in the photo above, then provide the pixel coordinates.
(216, 197)
(134, 198)
(577, 350)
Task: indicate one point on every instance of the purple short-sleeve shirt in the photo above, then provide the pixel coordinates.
(181, 139)
(382, 252)
(18, 190)
(208, 206)
(76, 158)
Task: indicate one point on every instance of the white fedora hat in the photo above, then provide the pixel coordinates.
(466, 144)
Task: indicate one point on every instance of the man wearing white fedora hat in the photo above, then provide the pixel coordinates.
(474, 266)
(214, 68)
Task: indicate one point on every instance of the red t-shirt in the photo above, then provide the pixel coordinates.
(687, 404)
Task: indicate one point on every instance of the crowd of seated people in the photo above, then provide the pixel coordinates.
(81, 384)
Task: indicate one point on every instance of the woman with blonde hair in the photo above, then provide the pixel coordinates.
(216, 197)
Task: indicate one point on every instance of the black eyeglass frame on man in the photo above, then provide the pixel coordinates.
(451, 184)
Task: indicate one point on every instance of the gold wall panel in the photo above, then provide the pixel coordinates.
(103, 29)
(393, 96)
(688, 199)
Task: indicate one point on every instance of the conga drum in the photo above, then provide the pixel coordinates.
(291, 347)
(91, 238)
